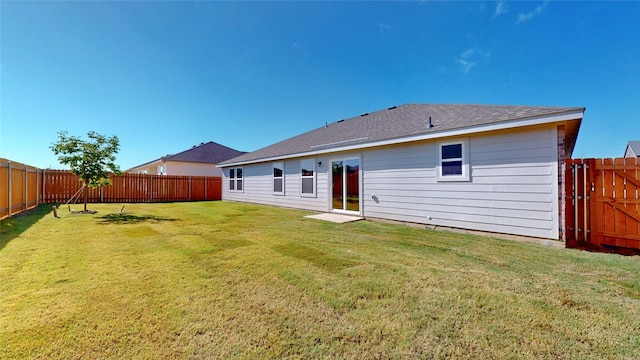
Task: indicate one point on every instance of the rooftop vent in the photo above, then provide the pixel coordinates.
(341, 120)
(365, 114)
(430, 123)
(391, 108)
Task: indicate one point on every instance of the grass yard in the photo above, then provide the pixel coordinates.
(220, 280)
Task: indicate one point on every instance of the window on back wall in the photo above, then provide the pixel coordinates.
(278, 178)
(308, 177)
(453, 160)
(235, 179)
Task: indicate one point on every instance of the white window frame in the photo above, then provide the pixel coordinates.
(464, 159)
(277, 165)
(312, 177)
(235, 179)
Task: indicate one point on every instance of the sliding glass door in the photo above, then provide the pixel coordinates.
(346, 185)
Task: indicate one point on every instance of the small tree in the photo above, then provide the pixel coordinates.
(92, 160)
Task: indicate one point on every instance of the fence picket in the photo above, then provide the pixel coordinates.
(23, 187)
(19, 187)
(613, 214)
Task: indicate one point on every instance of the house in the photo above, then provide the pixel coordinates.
(633, 149)
(480, 167)
(200, 160)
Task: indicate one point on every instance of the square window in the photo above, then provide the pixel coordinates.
(453, 161)
(453, 151)
(451, 168)
(235, 179)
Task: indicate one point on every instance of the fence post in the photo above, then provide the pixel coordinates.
(189, 188)
(10, 186)
(26, 187)
(37, 186)
(151, 188)
(205, 188)
(574, 172)
(44, 181)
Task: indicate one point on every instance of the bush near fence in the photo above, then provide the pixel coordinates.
(23, 187)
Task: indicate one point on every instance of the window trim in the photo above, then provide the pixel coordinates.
(277, 165)
(235, 179)
(312, 177)
(465, 176)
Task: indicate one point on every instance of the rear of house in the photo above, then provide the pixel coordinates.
(487, 168)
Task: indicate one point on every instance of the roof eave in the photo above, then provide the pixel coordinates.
(145, 164)
(508, 124)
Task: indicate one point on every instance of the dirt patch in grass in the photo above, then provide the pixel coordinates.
(132, 219)
(318, 258)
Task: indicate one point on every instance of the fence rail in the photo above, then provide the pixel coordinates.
(60, 186)
(23, 187)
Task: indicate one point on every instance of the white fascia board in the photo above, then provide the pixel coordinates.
(509, 124)
(152, 162)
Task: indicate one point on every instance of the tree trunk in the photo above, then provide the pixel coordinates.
(85, 191)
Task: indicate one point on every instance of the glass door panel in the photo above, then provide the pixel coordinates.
(352, 188)
(337, 199)
(346, 185)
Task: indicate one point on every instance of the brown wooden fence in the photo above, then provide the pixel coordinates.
(23, 187)
(60, 186)
(20, 187)
(603, 203)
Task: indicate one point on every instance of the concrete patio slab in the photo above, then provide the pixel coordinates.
(336, 218)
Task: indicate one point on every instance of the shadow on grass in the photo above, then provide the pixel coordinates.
(11, 227)
(131, 219)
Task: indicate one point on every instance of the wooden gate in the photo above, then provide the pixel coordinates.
(603, 203)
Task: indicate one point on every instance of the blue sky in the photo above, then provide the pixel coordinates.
(164, 76)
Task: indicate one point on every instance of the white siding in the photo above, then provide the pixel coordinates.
(258, 186)
(513, 185)
(512, 188)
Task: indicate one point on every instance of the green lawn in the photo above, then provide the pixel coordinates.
(220, 280)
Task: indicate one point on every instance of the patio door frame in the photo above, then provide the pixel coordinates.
(344, 182)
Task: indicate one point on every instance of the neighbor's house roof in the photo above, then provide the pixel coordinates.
(633, 149)
(410, 122)
(209, 153)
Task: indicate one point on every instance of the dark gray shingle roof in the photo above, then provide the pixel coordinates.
(211, 153)
(398, 122)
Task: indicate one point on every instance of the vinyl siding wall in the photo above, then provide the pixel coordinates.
(512, 188)
(258, 186)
